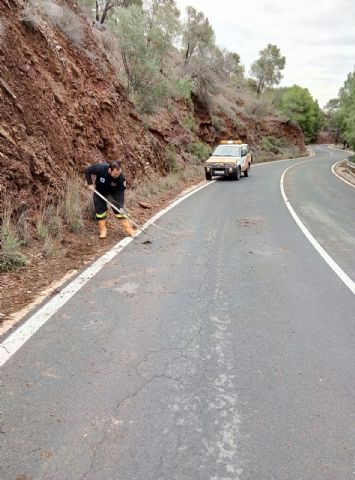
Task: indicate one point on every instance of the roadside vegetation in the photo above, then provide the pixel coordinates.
(161, 56)
(298, 105)
(43, 233)
(340, 114)
(11, 243)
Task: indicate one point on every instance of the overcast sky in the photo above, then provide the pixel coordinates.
(317, 38)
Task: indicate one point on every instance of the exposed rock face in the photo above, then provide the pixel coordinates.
(326, 137)
(61, 110)
(169, 127)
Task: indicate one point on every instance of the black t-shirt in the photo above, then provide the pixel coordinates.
(104, 182)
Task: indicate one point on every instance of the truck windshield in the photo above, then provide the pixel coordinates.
(227, 151)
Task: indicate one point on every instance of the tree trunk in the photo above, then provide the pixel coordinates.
(97, 10)
(104, 13)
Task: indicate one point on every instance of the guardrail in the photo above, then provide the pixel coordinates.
(350, 164)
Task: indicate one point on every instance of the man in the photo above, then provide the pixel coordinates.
(110, 182)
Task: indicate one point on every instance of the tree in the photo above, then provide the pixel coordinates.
(104, 7)
(197, 33)
(299, 106)
(145, 41)
(267, 69)
(346, 112)
(334, 119)
(232, 66)
(163, 26)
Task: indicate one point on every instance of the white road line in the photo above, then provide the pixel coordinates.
(312, 154)
(341, 178)
(341, 149)
(326, 257)
(20, 336)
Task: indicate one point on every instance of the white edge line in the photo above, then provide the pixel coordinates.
(312, 154)
(341, 178)
(19, 337)
(340, 149)
(326, 257)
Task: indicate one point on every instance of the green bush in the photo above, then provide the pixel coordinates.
(189, 123)
(173, 165)
(10, 247)
(41, 229)
(23, 228)
(72, 207)
(199, 150)
(273, 144)
(218, 123)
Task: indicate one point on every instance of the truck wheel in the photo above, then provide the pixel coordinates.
(237, 174)
(208, 176)
(247, 171)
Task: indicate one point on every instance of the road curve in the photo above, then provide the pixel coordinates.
(224, 352)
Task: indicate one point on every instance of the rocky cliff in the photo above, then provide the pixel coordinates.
(61, 108)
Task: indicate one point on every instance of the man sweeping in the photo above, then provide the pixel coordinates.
(110, 182)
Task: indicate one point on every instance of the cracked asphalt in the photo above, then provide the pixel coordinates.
(224, 352)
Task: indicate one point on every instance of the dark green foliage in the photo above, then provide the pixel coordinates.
(267, 69)
(299, 106)
(346, 112)
(274, 145)
(199, 150)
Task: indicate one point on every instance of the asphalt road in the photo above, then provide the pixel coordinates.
(224, 352)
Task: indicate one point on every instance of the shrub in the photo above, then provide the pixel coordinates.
(72, 207)
(260, 107)
(173, 166)
(41, 229)
(50, 247)
(189, 123)
(150, 187)
(199, 150)
(30, 18)
(272, 144)
(10, 254)
(262, 155)
(23, 228)
(218, 123)
(2, 30)
(61, 17)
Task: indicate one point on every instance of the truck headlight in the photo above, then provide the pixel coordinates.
(208, 169)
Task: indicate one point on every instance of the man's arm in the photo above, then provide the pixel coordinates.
(95, 169)
(122, 184)
(118, 196)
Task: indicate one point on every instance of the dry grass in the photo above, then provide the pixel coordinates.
(150, 188)
(260, 107)
(24, 229)
(2, 30)
(59, 16)
(10, 244)
(30, 17)
(263, 156)
(54, 217)
(72, 206)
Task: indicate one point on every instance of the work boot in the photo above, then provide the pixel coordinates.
(102, 228)
(127, 226)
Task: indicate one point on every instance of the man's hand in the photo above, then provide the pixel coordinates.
(91, 188)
